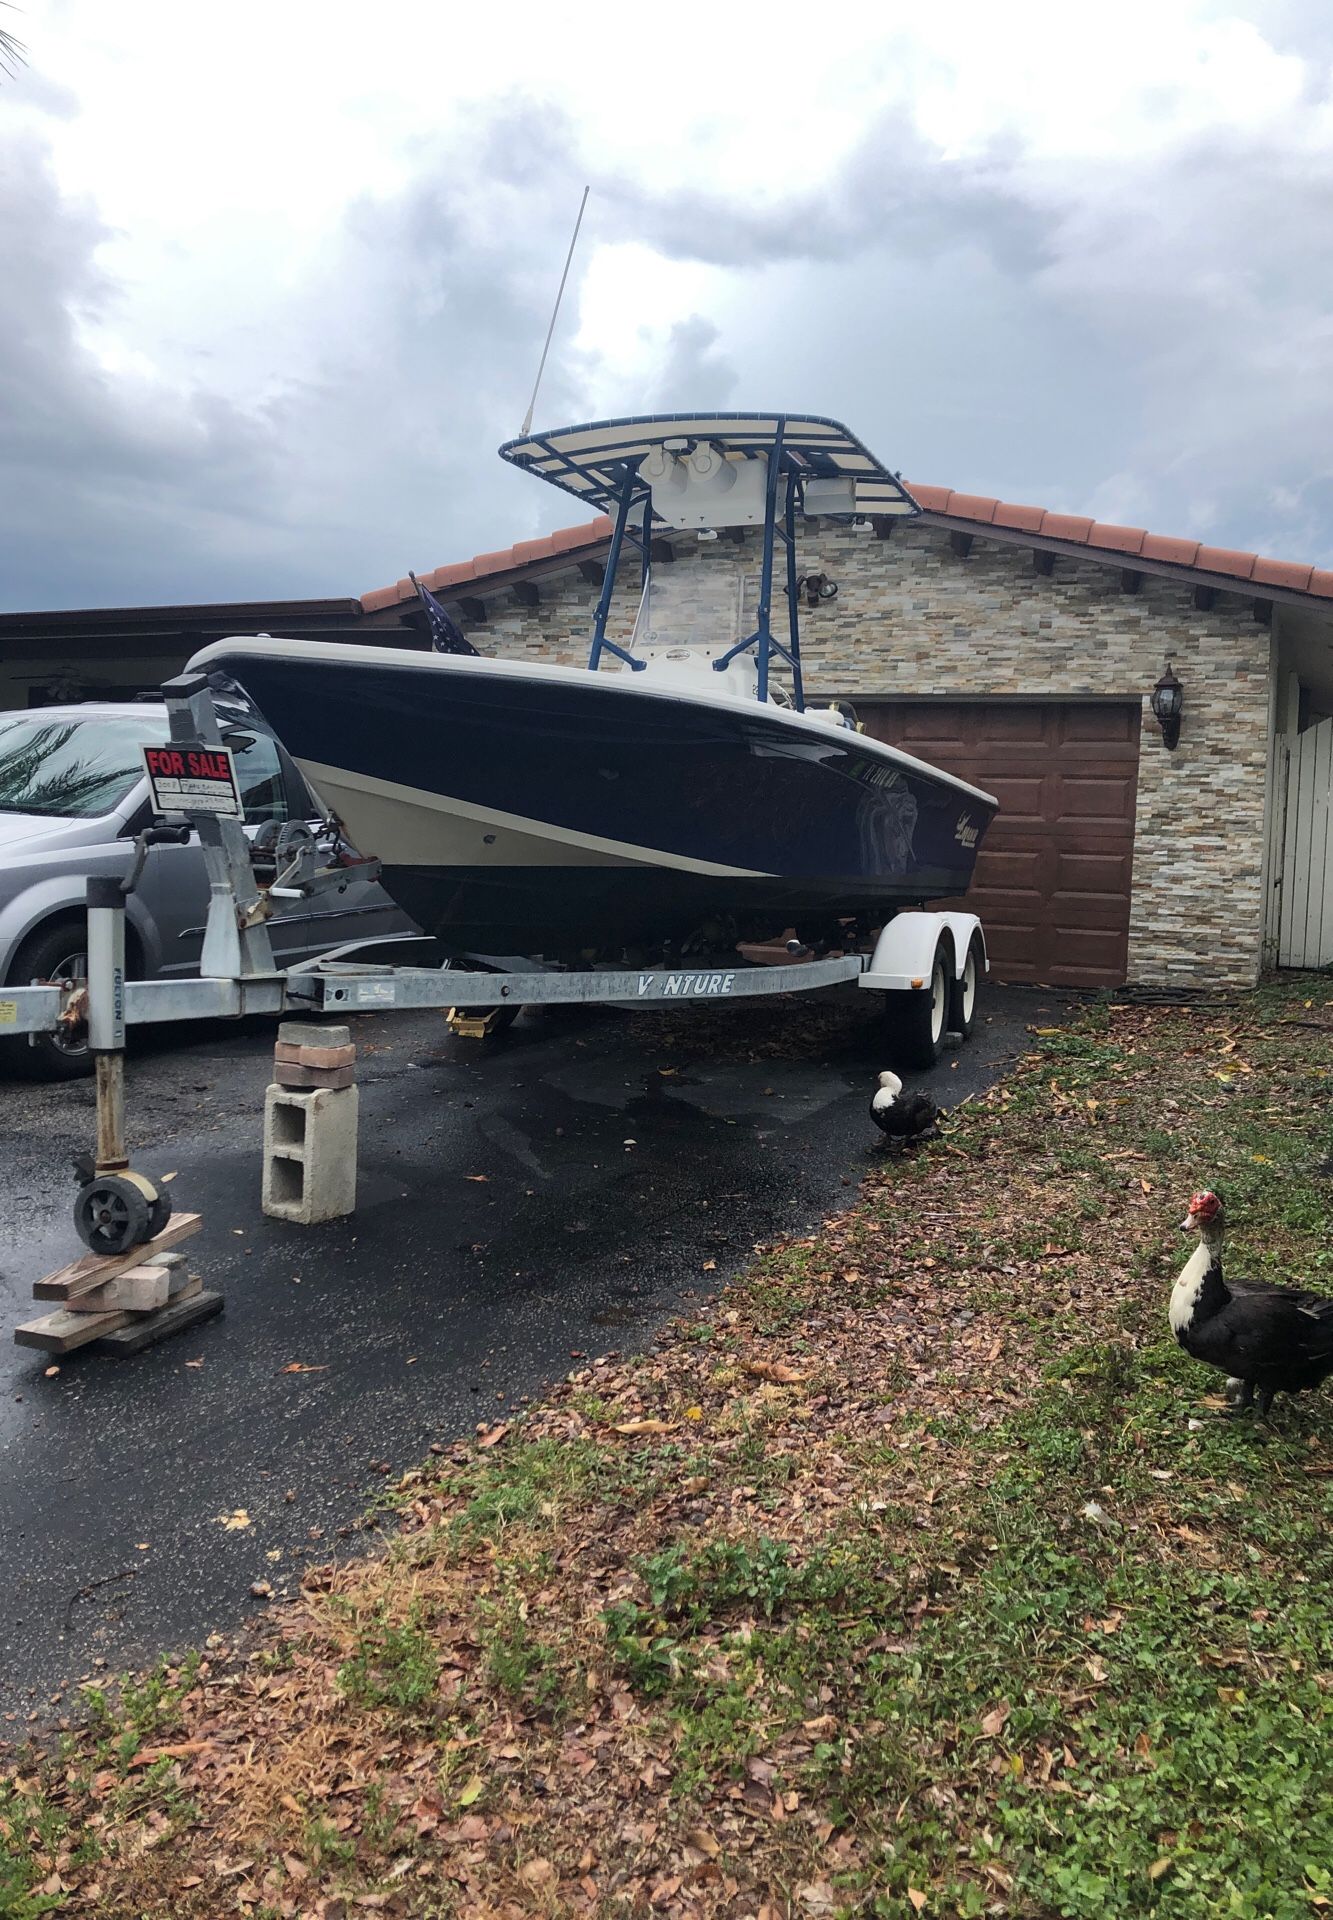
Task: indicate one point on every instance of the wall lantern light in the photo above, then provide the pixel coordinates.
(1168, 702)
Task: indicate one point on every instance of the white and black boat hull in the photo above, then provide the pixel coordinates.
(523, 809)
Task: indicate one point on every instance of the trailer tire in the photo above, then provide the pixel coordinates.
(963, 993)
(919, 1020)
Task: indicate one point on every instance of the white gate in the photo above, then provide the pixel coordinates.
(1302, 840)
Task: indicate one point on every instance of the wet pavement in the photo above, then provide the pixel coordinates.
(550, 1194)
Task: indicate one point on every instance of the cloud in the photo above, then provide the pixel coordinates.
(1137, 330)
(365, 444)
(894, 192)
(105, 477)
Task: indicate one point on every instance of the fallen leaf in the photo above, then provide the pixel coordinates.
(50, 1373)
(642, 1426)
(694, 1413)
(165, 1177)
(149, 1756)
(993, 1724)
(707, 1844)
(471, 1792)
(479, 1179)
(710, 1266)
(917, 1898)
(299, 1366)
(261, 1589)
(775, 1370)
(1159, 1867)
(234, 1521)
(536, 1873)
(494, 1435)
(194, 1363)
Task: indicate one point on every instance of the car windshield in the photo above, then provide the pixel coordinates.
(72, 766)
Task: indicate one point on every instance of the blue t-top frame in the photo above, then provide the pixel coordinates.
(782, 480)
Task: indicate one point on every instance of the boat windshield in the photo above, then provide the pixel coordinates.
(691, 604)
(72, 766)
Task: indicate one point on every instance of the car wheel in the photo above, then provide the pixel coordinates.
(52, 953)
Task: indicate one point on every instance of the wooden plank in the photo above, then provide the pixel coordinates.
(1322, 880)
(1289, 798)
(1319, 836)
(93, 1268)
(140, 1290)
(1307, 822)
(61, 1331)
(1297, 857)
(187, 1310)
(1277, 815)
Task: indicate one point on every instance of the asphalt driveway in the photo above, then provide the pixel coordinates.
(560, 1192)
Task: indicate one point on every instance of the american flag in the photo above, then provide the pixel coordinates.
(445, 636)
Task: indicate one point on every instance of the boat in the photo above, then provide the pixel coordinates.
(676, 795)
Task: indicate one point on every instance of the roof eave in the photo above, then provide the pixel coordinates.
(1127, 562)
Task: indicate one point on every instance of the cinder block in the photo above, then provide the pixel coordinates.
(310, 1153)
(285, 1074)
(308, 1033)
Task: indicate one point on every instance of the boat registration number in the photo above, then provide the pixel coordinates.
(191, 777)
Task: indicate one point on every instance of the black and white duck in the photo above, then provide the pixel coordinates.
(1267, 1339)
(900, 1116)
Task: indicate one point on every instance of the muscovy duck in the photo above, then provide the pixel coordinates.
(1268, 1339)
(902, 1116)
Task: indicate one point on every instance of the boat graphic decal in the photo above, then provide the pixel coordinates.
(681, 985)
(887, 818)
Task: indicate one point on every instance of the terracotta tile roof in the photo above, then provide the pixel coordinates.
(485, 566)
(1288, 576)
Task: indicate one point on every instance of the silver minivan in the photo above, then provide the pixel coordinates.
(72, 797)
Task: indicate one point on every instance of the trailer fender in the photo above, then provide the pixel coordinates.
(905, 950)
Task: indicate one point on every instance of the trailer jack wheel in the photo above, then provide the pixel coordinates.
(116, 1211)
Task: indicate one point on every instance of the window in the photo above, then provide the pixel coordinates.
(259, 772)
(71, 766)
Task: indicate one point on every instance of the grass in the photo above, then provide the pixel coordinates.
(915, 1575)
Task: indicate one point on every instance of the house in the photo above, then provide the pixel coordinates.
(1020, 648)
(1012, 645)
(112, 653)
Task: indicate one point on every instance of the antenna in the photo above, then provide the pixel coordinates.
(555, 311)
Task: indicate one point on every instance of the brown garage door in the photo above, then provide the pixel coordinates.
(1052, 881)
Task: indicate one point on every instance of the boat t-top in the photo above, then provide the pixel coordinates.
(677, 794)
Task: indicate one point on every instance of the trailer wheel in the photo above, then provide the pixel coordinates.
(112, 1213)
(963, 994)
(918, 1021)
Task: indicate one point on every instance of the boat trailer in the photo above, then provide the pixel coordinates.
(926, 963)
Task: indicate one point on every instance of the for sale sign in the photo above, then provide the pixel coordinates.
(190, 777)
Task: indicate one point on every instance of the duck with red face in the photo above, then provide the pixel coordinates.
(1267, 1339)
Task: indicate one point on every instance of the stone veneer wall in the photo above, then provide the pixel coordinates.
(914, 617)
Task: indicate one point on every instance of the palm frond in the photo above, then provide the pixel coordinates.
(13, 53)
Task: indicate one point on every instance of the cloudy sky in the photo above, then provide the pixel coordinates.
(274, 277)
